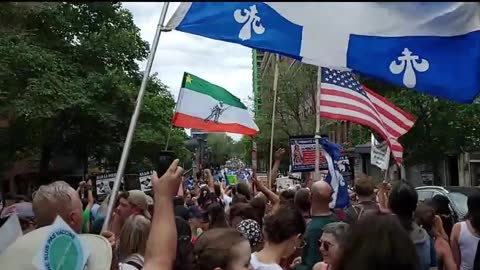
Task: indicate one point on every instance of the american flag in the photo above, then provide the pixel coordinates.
(342, 97)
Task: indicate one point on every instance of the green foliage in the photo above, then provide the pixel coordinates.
(222, 147)
(70, 76)
(442, 128)
(295, 108)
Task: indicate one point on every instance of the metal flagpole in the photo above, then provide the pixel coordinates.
(133, 121)
(275, 83)
(317, 126)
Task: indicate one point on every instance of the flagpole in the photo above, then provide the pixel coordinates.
(275, 83)
(317, 125)
(168, 138)
(133, 121)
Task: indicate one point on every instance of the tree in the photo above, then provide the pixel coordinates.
(442, 128)
(295, 108)
(71, 79)
(222, 147)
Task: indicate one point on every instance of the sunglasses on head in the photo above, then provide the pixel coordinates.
(326, 244)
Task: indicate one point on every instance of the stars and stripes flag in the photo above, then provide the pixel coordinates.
(343, 97)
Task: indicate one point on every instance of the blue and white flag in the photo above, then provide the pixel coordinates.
(331, 151)
(432, 47)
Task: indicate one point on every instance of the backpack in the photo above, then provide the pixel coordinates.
(361, 209)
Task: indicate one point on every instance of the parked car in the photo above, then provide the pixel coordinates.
(456, 195)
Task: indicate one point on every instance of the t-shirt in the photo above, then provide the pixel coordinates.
(356, 211)
(311, 252)
(227, 200)
(257, 265)
(133, 262)
(86, 219)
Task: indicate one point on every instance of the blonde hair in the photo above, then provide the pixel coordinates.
(133, 237)
(52, 200)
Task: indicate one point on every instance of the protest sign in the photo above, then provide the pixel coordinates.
(9, 232)
(104, 183)
(145, 179)
(302, 154)
(284, 183)
(380, 154)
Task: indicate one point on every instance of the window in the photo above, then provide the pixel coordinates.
(424, 194)
(460, 201)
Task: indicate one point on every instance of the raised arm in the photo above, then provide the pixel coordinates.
(271, 196)
(162, 241)
(210, 180)
(279, 154)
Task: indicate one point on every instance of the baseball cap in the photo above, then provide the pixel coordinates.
(150, 201)
(139, 199)
(21, 253)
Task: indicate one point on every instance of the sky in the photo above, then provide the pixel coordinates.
(225, 64)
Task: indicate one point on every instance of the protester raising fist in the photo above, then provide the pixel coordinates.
(162, 241)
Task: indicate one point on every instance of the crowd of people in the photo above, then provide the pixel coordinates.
(243, 226)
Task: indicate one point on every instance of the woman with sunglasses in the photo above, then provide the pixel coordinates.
(283, 232)
(332, 243)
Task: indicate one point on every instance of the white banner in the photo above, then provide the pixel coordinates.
(380, 154)
(104, 183)
(145, 179)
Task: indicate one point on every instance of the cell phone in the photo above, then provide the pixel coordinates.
(165, 158)
(186, 172)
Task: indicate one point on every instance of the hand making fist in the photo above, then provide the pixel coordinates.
(279, 154)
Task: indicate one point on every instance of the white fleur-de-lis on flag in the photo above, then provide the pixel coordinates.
(409, 63)
(251, 20)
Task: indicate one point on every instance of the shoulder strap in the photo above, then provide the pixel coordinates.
(135, 264)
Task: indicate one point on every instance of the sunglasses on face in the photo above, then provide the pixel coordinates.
(326, 244)
(302, 244)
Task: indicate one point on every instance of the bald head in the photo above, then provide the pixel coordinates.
(321, 193)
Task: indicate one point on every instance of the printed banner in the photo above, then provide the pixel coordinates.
(345, 169)
(302, 157)
(145, 179)
(104, 183)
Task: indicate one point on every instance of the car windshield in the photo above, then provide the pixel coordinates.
(460, 201)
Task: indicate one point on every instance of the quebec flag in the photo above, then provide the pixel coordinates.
(431, 47)
(340, 197)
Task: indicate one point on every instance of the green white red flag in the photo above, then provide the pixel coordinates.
(209, 107)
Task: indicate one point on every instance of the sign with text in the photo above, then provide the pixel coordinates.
(302, 154)
(380, 154)
(145, 179)
(104, 183)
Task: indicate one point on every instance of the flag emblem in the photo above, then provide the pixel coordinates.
(250, 20)
(409, 64)
(209, 107)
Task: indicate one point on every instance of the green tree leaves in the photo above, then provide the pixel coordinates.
(70, 78)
